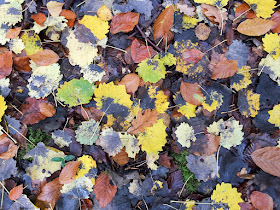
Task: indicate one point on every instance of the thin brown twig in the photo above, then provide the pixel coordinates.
(146, 38)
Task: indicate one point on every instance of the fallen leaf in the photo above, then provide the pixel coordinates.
(243, 8)
(21, 64)
(104, 13)
(16, 192)
(131, 82)
(142, 121)
(202, 31)
(140, 52)
(13, 33)
(122, 157)
(216, 15)
(39, 18)
(186, 9)
(271, 45)
(68, 173)
(51, 192)
(6, 63)
(103, 190)
(163, 23)
(191, 93)
(70, 16)
(267, 159)
(262, 8)
(224, 69)
(261, 201)
(124, 22)
(44, 57)
(54, 8)
(255, 26)
(47, 109)
(3, 106)
(7, 147)
(192, 55)
(164, 160)
(276, 18)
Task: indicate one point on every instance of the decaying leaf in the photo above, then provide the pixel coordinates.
(130, 143)
(219, 14)
(213, 101)
(248, 103)
(261, 201)
(122, 157)
(68, 173)
(270, 66)
(185, 134)
(32, 43)
(61, 138)
(58, 22)
(70, 16)
(224, 69)
(13, 33)
(262, 8)
(186, 9)
(140, 52)
(88, 132)
(187, 109)
(192, 55)
(7, 148)
(16, 45)
(202, 31)
(163, 23)
(87, 167)
(241, 79)
(217, 3)
(274, 115)
(255, 26)
(191, 93)
(124, 22)
(93, 73)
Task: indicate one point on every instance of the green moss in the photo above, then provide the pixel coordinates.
(180, 160)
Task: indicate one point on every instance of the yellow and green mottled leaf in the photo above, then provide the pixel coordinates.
(167, 58)
(32, 43)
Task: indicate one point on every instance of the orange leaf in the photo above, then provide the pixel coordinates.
(39, 18)
(164, 22)
(140, 52)
(261, 201)
(51, 192)
(131, 82)
(224, 69)
(191, 93)
(44, 57)
(70, 16)
(192, 55)
(276, 18)
(142, 121)
(242, 8)
(13, 33)
(268, 159)
(16, 192)
(6, 63)
(68, 173)
(47, 109)
(7, 147)
(255, 26)
(103, 190)
(122, 157)
(124, 22)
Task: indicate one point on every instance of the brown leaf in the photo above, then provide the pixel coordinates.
(224, 69)
(51, 192)
(122, 157)
(39, 18)
(70, 16)
(206, 144)
(261, 201)
(186, 9)
(68, 173)
(47, 109)
(13, 33)
(44, 57)
(268, 159)
(202, 31)
(16, 192)
(103, 190)
(167, 38)
(54, 8)
(32, 113)
(191, 93)
(21, 64)
(255, 26)
(276, 18)
(164, 160)
(140, 52)
(7, 147)
(163, 23)
(142, 121)
(215, 59)
(217, 16)
(90, 113)
(131, 82)
(192, 55)
(124, 22)
(6, 63)
(243, 8)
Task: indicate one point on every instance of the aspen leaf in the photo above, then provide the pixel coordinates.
(241, 79)
(255, 26)
(39, 18)
(54, 8)
(68, 173)
(44, 57)
(3, 107)
(32, 43)
(88, 132)
(262, 9)
(131, 82)
(6, 63)
(13, 33)
(271, 43)
(213, 101)
(191, 93)
(274, 115)
(163, 23)
(16, 192)
(93, 73)
(130, 143)
(224, 69)
(261, 201)
(16, 45)
(270, 66)
(248, 103)
(124, 22)
(11, 12)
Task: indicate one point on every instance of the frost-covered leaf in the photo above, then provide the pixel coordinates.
(238, 51)
(58, 22)
(248, 103)
(271, 43)
(42, 165)
(217, 3)
(4, 87)
(270, 66)
(230, 132)
(16, 45)
(11, 11)
(61, 138)
(3, 107)
(88, 132)
(75, 92)
(241, 79)
(130, 143)
(32, 43)
(262, 8)
(274, 115)
(110, 141)
(185, 134)
(93, 73)
(44, 80)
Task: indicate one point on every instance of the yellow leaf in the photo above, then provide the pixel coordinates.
(187, 110)
(270, 66)
(87, 163)
(217, 3)
(3, 107)
(161, 102)
(262, 8)
(274, 115)
(241, 79)
(104, 13)
(271, 43)
(32, 43)
(156, 185)
(97, 26)
(189, 22)
(214, 101)
(249, 103)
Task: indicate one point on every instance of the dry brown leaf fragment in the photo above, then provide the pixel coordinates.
(44, 57)
(255, 26)
(22, 64)
(16, 192)
(224, 69)
(68, 173)
(54, 8)
(219, 15)
(124, 22)
(186, 9)
(13, 33)
(202, 31)
(131, 82)
(191, 93)
(6, 63)
(7, 147)
(261, 201)
(122, 157)
(163, 23)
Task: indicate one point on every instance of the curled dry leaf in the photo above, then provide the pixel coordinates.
(39, 18)
(261, 201)
(122, 157)
(140, 52)
(217, 16)
(6, 63)
(68, 173)
(13, 33)
(124, 22)
(192, 55)
(16, 192)
(163, 23)
(54, 8)
(44, 57)
(103, 190)
(268, 159)
(224, 69)
(191, 93)
(131, 82)
(255, 26)
(7, 147)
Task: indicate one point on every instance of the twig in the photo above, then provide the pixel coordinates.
(184, 185)
(145, 37)
(218, 152)
(241, 14)
(27, 6)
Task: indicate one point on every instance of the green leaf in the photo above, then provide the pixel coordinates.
(69, 157)
(57, 159)
(88, 132)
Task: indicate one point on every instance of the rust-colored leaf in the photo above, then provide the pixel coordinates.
(191, 93)
(21, 64)
(47, 109)
(39, 18)
(192, 55)
(16, 192)
(261, 201)
(122, 157)
(103, 190)
(276, 18)
(142, 121)
(32, 112)
(224, 69)
(131, 82)
(255, 26)
(70, 16)
(243, 8)
(140, 52)
(13, 33)
(124, 22)
(44, 57)
(164, 160)
(68, 173)
(6, 63)
(268, 159)
(51, 192)
(163, 23)
(7, 147)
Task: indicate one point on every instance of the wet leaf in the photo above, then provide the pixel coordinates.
(163, 23)
(191, 93)
(13, 33)
(255, 26)
(131, 82)
(261, 201)
(224, 69)
(68, 173)
(16, 192)
(124, 22)
(44, 57)
(6, 63)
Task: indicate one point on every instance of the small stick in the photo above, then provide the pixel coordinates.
(145, 37)
(241, 14)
